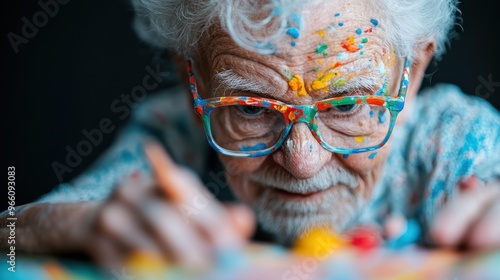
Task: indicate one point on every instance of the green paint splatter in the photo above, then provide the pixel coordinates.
(288, 74)
(364, 40)
(321, 48)
(325, 54)
(361, 52)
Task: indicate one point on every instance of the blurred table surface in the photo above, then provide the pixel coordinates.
(262, 261)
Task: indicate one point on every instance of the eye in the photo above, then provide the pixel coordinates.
(345, 108)
(251, 110)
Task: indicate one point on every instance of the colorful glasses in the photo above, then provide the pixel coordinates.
(243, 126)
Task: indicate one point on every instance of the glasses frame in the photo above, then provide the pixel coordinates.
(293, 114)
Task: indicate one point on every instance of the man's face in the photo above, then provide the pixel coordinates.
(303, 185)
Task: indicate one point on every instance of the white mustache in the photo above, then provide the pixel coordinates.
(326, 178)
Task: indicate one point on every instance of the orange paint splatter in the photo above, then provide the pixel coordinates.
(291, 116)
(349, 44)
(337, 64)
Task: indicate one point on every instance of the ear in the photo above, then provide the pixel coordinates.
(181, 67)
(422, 56)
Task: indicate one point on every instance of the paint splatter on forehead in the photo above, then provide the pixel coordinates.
(339, 40)
(321, 51)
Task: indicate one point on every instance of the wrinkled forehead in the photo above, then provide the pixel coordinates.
(315, 47)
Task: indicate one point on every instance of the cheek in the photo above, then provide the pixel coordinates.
(237, 171)
(366, 163)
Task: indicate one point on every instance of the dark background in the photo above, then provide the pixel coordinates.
(66, 77)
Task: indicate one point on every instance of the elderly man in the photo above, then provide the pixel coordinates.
(303, 102)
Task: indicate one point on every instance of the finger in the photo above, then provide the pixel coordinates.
(135, 189)
(190, 196)
(181, 241)
(453, 222)
(486, 233)
(106, 253)
(163, 169)
(117, 222)
(242, 219)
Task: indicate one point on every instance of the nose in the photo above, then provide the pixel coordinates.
(301, 154)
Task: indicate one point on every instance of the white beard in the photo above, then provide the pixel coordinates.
(288, 219)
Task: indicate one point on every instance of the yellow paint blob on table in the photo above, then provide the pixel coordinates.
(56, 271)
(297, 84)
(359, 139)
(319, 242)
(146, 265)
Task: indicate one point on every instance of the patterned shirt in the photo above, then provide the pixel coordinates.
(447, 137)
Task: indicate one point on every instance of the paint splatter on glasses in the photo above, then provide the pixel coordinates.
(250, 126)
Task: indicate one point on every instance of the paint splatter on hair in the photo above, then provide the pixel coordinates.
(372, 155)
(364, 40)
(337, 14)
(371, 113)
(345, 156)
(374, 22)
(341, 24)
(369, 30)
(359, 31)
(293, 44)
(311, 148)
(297, 84)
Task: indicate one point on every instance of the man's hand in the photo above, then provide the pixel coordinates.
(471, 219)
(172, 215)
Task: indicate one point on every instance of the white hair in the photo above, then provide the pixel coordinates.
(179, 24)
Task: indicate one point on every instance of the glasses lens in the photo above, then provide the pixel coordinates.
(354, 126)
(246, 128)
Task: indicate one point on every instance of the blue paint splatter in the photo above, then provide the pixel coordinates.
(266, 103)
(342, 55)
(374, 21)
(337, 14)
(293, 44)
(381, 116)
(257, 147)
(341, 24)
(294, 32)
(359, 31)
(345, 156)
(310, 148)
(372, 155)
(371, 113)
(360, 46)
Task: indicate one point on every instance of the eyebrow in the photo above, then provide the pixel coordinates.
(368, 82)
(230, 81)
